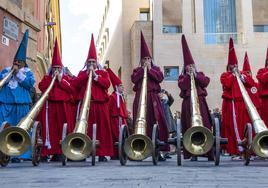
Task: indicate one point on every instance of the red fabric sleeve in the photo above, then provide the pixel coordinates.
(137, 75)
(43, 85)
(249, 82)
(202, 80)
(65, 85)
(80, 80)
(183, 82)
(227, 79)
(156, 74)
(262, 76)
(103, 80)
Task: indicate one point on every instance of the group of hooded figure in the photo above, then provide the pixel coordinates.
(109, 112)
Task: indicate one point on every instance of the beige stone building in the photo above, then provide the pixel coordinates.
(42, 18)
(207, 24)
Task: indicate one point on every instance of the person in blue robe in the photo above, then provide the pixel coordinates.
(15, 96)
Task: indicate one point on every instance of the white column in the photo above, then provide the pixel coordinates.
(157, 26)
(246, 19)
(187, 26)
(199, 17)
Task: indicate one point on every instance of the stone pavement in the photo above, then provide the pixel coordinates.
(136, 174)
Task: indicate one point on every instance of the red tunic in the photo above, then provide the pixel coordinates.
(184, 84)
(232, 99)
(117, 113)
(57, 110)
(155, 111)
(262, 77)
(99, 112)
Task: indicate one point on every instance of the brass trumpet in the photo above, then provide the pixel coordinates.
(138, 146)
(15, 141)
(6, 78)
(260, 141)
(77, 145)
(198, 139)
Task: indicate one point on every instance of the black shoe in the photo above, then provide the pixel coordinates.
(115, 158)
(15, 160)
(102, 159)
(160, 158)
(194, 158)
(210, 159)
(56, 158)
(167, 156)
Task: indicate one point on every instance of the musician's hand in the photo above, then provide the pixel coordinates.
(59, 77)
(16, 68)
(94, 74)
(188, 69)
(149, 65)
(55, 73)
(235, 69)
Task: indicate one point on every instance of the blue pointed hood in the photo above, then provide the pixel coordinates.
(21, 53)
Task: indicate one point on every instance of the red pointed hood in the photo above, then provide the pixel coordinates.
(114, 79)
(144, 48)
(246, 65)
(92, 50)
(56, 60)
(232, 59)
(187, 56)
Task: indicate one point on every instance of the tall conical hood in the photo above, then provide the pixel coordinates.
(56, 60)
(187, 56)
(144, 48)
(114, 79)
(22, 50)
(246, 65)
(92, 50)
(232, 59)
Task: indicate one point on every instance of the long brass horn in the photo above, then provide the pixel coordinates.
(78, 145)
(138, 146)
(198, 139)
(6, 78)
(260, 141)
(15, 141)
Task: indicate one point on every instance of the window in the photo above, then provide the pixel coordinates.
(260, 28)
(144, 14)
(107, 64)
(220, 21)
(171, 73)
(171, 29)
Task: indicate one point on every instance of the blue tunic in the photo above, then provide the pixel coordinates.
(15, 98)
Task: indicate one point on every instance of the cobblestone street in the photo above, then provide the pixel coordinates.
(137, 174)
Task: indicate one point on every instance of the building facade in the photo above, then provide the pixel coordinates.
(207, 24)
(42, 19)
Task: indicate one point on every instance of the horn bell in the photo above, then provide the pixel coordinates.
(77, 146)
(198, 140)
(14, 141)
(260, 144)
(138, 147)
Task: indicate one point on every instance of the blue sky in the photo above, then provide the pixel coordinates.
(79, 18)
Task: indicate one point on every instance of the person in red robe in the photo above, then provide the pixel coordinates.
(262, 77)
(155, 113)
(99, 112)
(234, 112)
(184, 84)
(117, 108)
(252, 87)
(58, 108)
